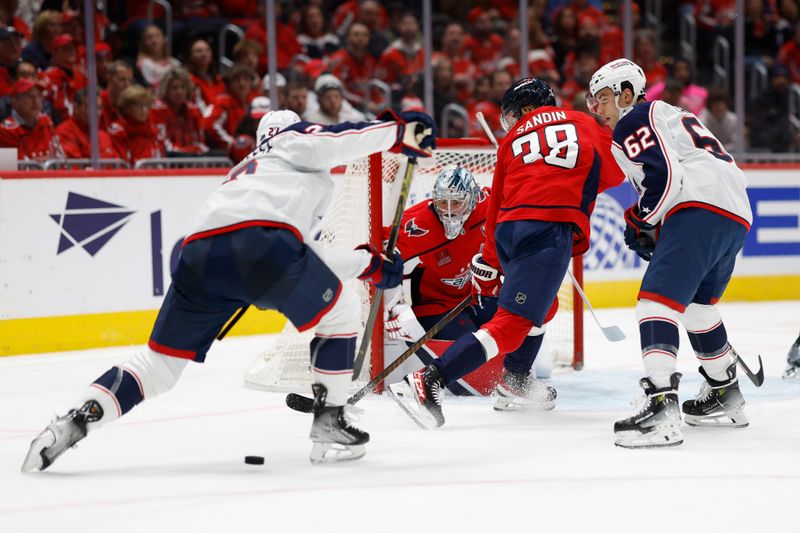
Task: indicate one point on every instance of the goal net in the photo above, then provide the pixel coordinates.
(365, 198)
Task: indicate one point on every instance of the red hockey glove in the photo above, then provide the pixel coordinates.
(382, 272)
(639, 235)
(485, 279)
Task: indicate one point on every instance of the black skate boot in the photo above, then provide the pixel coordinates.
(62, 433)
(420, 396)
(792, 371)
(718, 403)
(521, 391)
(334, 439)
(658, 421)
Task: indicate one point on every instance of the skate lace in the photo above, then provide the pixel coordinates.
(640, 404)
(704, 392)
(436, 392)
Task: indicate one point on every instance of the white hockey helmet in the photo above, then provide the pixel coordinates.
(613, 75)
(275, 121)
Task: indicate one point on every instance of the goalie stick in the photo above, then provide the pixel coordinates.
(612, 333)
(305, 404)
(378, 295)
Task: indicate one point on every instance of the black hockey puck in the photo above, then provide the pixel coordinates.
(254, 459)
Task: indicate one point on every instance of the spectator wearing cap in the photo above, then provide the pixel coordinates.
(465, 72)
(46, 28)
(768, 115)
(102, 57)
(178, 121)
(483, 46)
(718, 117)
(692, 98)
(223, 115)
(789, 55)
(245, 133)
(354, 64)
(25, 71)
(74, 132)
(134, 135)
(404, 57)
(120, 77)
(501, 80)
(280, 85)
(286, 38)
(28, 129)
(314, 34)
(9, 57)
(203, 72)
(62, 77)
(333, 108)
(9, 18)
(153, 60)
(296, 97)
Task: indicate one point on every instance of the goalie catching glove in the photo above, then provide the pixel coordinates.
(381, 272)
(416, 133)
(485, 279)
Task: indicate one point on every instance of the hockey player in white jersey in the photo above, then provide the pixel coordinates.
(689, 223)
(252, 244)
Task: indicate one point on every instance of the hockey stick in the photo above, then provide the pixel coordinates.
(305, 404)
(612, 333)
(233, 322)
(758, 377)
(375, 307)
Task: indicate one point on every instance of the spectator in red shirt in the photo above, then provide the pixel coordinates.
(203, 72)
(228, 108)
(314, 35)
(789, 55)
(483, 46)
(120, 77)
(540, 59)
(134, 136)
(501, 80)
(584, 65)
(10, 51)
(404, 57)
(28, 129)
(74, 132)
(45, 28)
(464, 70)
(372, 14)
(178, 121)
(645, 54)
(286, 38)
(565, 28)
(353, 65)
(102, 57)
(363, 11)
(62, 77)
(153, 60)
(9, 18)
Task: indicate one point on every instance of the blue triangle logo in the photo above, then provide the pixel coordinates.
(89, 223)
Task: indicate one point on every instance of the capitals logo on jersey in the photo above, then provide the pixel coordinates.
(412, 230)
(460, 281)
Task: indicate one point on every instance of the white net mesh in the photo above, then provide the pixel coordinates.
(285, 365)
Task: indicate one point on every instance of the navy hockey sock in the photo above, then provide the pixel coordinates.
(332, 366)
(712, 350)
(660, 341)
(465, 355)
(521, 360)
(123, 386)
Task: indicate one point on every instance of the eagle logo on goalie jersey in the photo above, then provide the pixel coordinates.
(412, 230)
(460, 281)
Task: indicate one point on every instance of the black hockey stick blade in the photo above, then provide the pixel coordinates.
(758, 377)
(234, 320)
(394, 233)
(305, 405)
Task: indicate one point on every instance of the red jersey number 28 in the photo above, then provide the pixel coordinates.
(562, 144)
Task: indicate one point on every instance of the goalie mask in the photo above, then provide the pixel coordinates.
(455, 194)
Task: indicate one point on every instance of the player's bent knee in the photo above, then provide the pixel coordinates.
(700, 317)
(487, 342)
(650, 309)
(344, 316)
(157, 373)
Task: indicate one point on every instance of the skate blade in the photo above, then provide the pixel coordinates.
(325, 453)
(402, 394)
(34, 460)
(660, 437)
(730, 419)
(792, 374)
(510, 405)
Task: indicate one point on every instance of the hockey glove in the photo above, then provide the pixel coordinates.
(639, 235)
(416, 133)
(485, 279)
(382, 272)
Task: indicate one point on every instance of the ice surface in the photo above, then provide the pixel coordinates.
(176, 463)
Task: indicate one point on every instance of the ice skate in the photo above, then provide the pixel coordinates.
(792, 371)
(60, 435)
(334, 439)
(657, 422)
(718, 403)
(420, 396)
(521, 391)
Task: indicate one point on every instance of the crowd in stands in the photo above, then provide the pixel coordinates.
(162, 97)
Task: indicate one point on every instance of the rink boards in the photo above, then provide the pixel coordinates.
(86, 256)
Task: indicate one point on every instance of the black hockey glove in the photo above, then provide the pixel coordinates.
(382, 272)
(416, 133)
(639, 235)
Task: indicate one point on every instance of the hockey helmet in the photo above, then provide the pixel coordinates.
(274, 121)
(616, 75)
(455, 194)
(525, 92)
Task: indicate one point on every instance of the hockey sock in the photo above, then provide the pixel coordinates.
(658, 331)
(465, 355)
(117, 391)
(332, 365)
(522, 359)
(709, 340)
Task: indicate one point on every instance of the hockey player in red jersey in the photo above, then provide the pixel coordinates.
(550, 168)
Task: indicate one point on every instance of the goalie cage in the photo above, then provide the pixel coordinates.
(364, 201)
